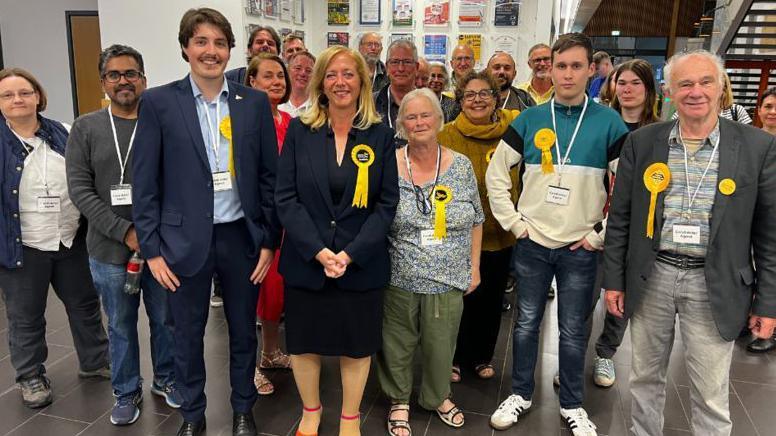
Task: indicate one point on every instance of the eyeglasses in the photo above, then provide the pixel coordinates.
(397, 62)
(463, 59)
(24, 95)
(115, 76)
(545, 60)
(485, 94)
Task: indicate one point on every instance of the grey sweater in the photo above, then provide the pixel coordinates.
(92, 168)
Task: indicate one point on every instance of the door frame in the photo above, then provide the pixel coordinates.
(70, 54)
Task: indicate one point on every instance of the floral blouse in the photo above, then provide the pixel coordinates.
(420, 263)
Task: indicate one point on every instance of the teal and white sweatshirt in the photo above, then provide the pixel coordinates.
(595, 149)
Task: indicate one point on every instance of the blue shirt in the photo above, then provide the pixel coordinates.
(226, 204)
(595, 86)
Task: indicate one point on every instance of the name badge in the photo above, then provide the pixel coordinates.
(427, 238)
(558, 195)
(684, 234)
(49, 204)
(121, 195)
(222, 181)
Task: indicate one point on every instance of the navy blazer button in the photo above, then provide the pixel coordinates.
(18, 240)
(333, 224)
(15, 191)
(18, 263)
(16, 215)
(18, 168)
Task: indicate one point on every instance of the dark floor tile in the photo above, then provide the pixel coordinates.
(476, 394)
(3, 343)
(48, 425)
(474, 425)
(761, 371)
(537, 421)
(758, 401)
(145, 425)
(12, 411)
(86, 402)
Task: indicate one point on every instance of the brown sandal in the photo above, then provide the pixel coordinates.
(485, 371)
(455, 376)
(275, 360)
(263, 385)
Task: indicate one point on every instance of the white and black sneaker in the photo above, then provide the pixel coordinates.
(578, 422)
(508, 411)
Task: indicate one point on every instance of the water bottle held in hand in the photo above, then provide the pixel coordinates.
(134, 271)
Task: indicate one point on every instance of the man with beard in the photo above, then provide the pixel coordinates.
(98, 153)
(263, 39)
(204, 172)
(540, 86)
(502, 67)
(370, 47)
(423, 75)
(402, 62)
(300, 69)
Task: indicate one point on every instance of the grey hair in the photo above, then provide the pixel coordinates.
(403, 43)
(671, 64)
(412, 95)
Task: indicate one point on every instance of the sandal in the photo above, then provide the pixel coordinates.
(399, 424)
(485, 371)
(449, 416)
(455, 377)
(263, 385)
(318, 409)
(275, 360)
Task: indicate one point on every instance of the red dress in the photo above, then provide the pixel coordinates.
(270, 305)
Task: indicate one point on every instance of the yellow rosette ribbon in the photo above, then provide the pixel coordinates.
(363, 156)
(656, 179)
(442, 196)
(225, 127)
(489, 154)
(727, 186)
(544, 139)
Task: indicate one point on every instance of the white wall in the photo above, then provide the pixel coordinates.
(155, 34)
(34, 37)
(151, 27)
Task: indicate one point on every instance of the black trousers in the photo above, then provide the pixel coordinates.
(614, 328)
(481, 319)
(189, 306)
(25, 291)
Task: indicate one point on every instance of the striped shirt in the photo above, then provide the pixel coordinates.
(677, 198)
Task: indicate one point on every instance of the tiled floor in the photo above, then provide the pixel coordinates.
(83, 407)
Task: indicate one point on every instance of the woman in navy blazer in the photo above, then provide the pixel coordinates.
(336, 194)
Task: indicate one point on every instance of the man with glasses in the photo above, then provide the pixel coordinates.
(402, 63)
(462, 61)
(540, 85)
(370, 47)
(98, 156)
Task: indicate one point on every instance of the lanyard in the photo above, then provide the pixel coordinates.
(561, 163)
(509, 93)
(216, 143)
(388, 104)
(436, 177)
(687, 171)
(44, 173)
(122, 163)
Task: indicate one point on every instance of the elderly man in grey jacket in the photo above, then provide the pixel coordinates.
(692, 212)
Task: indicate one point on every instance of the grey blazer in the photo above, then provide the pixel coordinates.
(743, 225)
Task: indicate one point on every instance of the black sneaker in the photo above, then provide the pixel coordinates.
(36, 391)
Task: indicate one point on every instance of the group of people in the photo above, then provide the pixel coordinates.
(381, 208)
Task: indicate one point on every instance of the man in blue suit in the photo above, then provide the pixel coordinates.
(204, 175)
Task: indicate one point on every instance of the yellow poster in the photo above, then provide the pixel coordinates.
(474, 40)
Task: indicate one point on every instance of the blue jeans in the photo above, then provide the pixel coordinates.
(122, 311)
(575, 273)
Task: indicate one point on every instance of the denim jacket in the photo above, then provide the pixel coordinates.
(12, 160)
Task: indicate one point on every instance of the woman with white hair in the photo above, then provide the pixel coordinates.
(434, 245)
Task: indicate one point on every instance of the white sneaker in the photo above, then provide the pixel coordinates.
(508, 411)
(578, 422)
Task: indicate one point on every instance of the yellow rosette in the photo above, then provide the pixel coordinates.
(544, 139)
(225, 127)
(727, 186)
(489, 154)
(442, 196)
(363, 156)
(656, 179)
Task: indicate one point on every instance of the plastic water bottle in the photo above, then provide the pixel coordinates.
(134, 271)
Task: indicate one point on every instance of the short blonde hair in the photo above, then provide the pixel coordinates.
(726, 100)
(412, 95)
(318, 113)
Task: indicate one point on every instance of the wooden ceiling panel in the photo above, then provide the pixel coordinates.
(643, 18)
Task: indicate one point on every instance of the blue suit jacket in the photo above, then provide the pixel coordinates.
(172, 193)
(311, 219)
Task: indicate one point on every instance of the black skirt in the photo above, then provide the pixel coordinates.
(334, 322)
